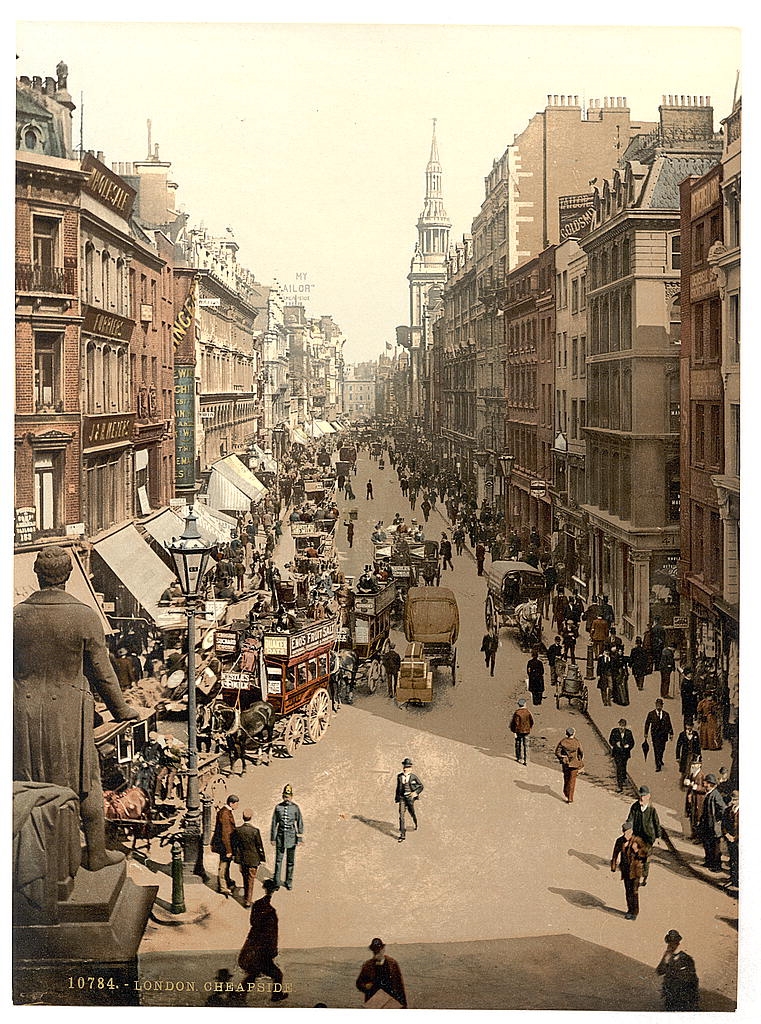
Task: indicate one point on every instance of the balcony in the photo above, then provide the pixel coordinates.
(47, 280)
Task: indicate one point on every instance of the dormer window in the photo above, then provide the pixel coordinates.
(31, 138)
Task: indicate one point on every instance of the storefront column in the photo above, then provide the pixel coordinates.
(641, 609)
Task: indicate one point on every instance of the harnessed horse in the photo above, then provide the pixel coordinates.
(343, 677)
(528, 620)
(237, 730)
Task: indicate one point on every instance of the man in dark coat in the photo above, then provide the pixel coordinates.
(408, 789)
(658, 725)
(221, 843)
(261, 946)
(445, 549)
(689, 694)
(554, 652)
(680, 990)
(350, 533)
(392, 663)
(645, 824)
(630, 856)
(286, 832)
(709, 824)
(248, 852)
(621, 741)
(688, 749)
(381, 973)
(480, 556)
(489, 646)
(605, 670)
(571, 757)
(535, 675)
(59, 659)
(666, 666)
(639, 663)
(125, 669)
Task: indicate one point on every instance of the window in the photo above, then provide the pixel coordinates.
(47, 486)
(574, 357)
(675, 322)
(45, 242)
(583, 356)
(676, 252)
(47, 370)
(583, 292)
(733, 326)
(697, 539)
(697, 332)
(574, 418)
(699, 437)
(734, 426)
(575, 295)
(715, 437)
(714, 331)
(698, 243)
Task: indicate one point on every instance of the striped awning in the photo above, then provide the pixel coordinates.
(140, 570)
(232, 486)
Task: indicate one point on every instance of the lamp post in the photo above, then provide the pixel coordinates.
(190, 554)
(506, 463)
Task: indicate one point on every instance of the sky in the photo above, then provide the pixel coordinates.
(310, 140)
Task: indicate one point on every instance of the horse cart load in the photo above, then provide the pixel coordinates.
(514, 595)
(431, 626)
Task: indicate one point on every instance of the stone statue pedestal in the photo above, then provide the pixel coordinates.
(89, 956)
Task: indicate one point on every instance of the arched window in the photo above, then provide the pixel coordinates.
(91, 376)
(626, 319)
(614, 262)
(625, 257)
(89, 262)
(105, 279)
(106, 382)
(615, 325)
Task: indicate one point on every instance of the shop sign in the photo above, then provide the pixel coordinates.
(225, 641)
(236, 680)
(107, 187)
(539, 488)
(184, 425)
(26, 524)
(681, 621)
(185, 317)
(576, 214)
(107, 431)
(106, 325)
(703, 284)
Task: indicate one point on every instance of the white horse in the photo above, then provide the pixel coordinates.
(528, 620)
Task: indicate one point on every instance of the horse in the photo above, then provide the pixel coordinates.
(528, 620)
(238, 730)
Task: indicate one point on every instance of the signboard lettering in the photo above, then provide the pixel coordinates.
(107, 431)
(225, 641)
(26, 524)
(703, 284)
(107, 325)
(108, 187)
(185, 317)
(185, 435)
(576, 214)
(704, 197)
(237, 680)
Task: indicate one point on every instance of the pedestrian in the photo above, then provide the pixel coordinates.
(489, 646)
(657, 642)
(709, 825)
(480, 555)
(521, 724)
(559, 608)
(638, 662)
(571, 757)
(681, 987)
(260, 949)
(459, 539)
(688, 694)
(620, 689)
(125, 669)
(709, 716)
(688, 749)
(621, 742)
(658, 725)
(645, 824)
(554, 653)
(221, 843)
(425, 508)
(695, 792)
(248, 853)
(348, 492)
(369, 490)
(350, 533)
(730, 826)
(445, 549)
(570, 633)
(666, 666)
(392, 663)
(381, 973)
(599, 631)
(408, 790)
(605, 668)
(535, 676)
(629, 856)
(286, 832)
(606, 610)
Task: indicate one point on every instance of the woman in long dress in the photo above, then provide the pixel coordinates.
(620, 692)
(709, 723)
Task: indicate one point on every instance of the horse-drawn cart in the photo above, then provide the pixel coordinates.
(514, 595)
(570, 686)
(431, 625)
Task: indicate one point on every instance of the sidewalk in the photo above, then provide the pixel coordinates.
(667, 793)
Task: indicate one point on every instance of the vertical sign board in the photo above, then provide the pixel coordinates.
(185, 432)
(26, 524)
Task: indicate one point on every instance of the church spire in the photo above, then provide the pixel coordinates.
(433, 224)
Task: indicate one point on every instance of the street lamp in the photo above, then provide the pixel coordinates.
(506, 463)
(190, 553)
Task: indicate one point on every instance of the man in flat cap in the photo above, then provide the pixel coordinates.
(680, 989)
(408, 789)
(381, 972)
(521, 724)
(646, 824)
(571, 757)
(59, 658)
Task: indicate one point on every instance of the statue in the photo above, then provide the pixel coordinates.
(62, 73)
(59, 653)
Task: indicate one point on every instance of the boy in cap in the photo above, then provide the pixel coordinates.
(521, 724)
(381, 973)
(408, 789)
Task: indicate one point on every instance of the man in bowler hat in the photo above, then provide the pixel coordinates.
(646, 824)
(658, 724)
(381, 973)
(408, 789)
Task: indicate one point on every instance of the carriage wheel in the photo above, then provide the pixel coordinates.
(293, 736)
(318, 715)
(490, 614)
(374, 675)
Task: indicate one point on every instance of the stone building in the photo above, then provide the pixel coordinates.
(709, 576)
(633, 396)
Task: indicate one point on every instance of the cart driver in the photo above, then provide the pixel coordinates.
(378, 534)
(511, 589)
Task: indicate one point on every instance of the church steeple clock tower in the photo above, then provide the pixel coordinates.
(427, 268)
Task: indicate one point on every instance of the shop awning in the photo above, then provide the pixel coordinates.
(215, 527)
(325, 427)
(299, 437)
(232, 486)
(336, 426)
(165, 525)
(140, 570)
(213, 524)
(259, 456)
(78, 585)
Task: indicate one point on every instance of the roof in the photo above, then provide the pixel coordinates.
(662, 188)
(78, 585)
(140, 569)
(431, 615)
(499, 569)
(232, 485)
